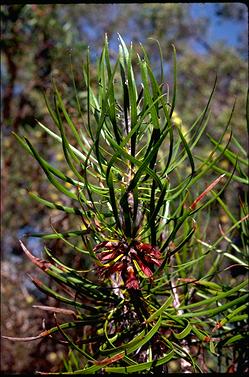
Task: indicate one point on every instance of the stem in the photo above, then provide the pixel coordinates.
(186, 367)
(138, 303)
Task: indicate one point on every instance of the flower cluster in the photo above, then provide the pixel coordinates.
(127, 260)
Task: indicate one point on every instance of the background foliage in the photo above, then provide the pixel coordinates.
(39, 42)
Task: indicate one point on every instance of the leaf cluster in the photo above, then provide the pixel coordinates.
(134, 179)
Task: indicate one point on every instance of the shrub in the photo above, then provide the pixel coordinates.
(152, 297)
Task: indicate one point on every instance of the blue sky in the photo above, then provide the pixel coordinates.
(219, 29)
(225, 30)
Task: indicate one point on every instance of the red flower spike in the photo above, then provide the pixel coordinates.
(117, 267)
(155, 261)
(155, 253)
(100, 245)
(150, 251)
(112, 244)
(146, 247)
(146, 255)
(145, 269)
(107, 256)
(132, 281)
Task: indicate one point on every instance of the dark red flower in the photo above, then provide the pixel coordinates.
(127, 260)
(131, 281)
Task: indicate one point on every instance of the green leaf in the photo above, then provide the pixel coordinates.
(184, 332)
(44, 166)
(216, 298)
(113, 199)
(234, 339)
(147, 96)
(67, 117)
(111, 92)
(214, 311)
(175, 82)
(50, 292)
(142, 366)
(185, 144)
(75, 211)
(137, 342)
(161, 310)
(73, 345)
(52, 236)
